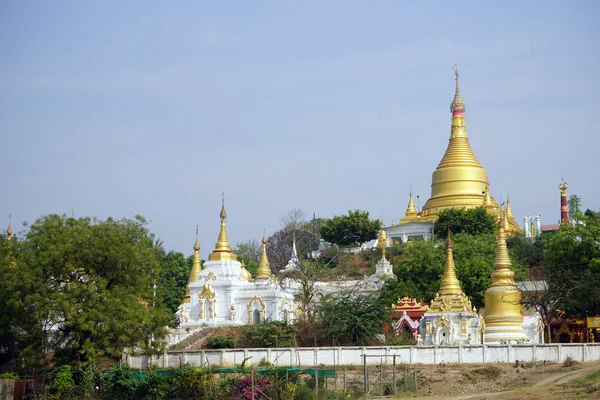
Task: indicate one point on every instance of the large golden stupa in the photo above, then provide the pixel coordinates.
(459, 181)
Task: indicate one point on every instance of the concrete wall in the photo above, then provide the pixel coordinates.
(331, 356)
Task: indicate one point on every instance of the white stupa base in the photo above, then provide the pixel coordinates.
(504, 334)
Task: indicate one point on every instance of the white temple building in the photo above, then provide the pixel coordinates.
(223, 293)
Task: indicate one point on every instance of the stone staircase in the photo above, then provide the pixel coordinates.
(193, 341)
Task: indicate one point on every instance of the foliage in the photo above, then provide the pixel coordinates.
(329, 257)
(306, 274)
(249, 252)
(269, 334)
(81, 288)
(573, 206)
(63, 383)
(174, 273)
(219, 342)
(120, 384)
(354, 228)
(350, 319)
(279, 246)
(421, 268)
(474, 221)
(572, 259)
(405, 338)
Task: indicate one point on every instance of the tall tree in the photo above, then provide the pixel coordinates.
(84, 289)
(174, 273)
(354, 228)
(474, 221)
(279, 246)
(572, 259)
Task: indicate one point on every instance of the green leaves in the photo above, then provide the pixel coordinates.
(475, 221)
(81, 288)
(354, 228)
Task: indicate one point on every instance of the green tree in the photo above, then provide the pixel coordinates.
(83, 289)
(574, 206)
(572, 259)
(249, 252)
(474, 221)
(279, 245)
(350, 319)
(174, 273)
(354, 228)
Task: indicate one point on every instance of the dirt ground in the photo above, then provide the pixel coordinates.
(523, 381)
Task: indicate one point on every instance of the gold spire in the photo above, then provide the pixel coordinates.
(450, 285)
(9, 229)
(450, 297)
(509, 213)
(196, 268)
(457, 103)
(222, 250)
(410, 210)
(503, 314)
(487, 201)
(264, 270)
(382, 241)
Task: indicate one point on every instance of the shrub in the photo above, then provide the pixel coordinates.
(569, 362)
(63, 384)
(270, 334)
(219, 342)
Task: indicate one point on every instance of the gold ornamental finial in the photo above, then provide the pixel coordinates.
(487, 202)
(196, 268)
(245, 274)
(410, 210)
(509, 213)
(458, 105)
(222, 249)
(450, 284)
(563, 186)
(9, 229)
(264, 269)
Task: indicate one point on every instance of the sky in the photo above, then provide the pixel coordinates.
(118, 108)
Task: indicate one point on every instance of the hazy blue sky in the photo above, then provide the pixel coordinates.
(151, 107)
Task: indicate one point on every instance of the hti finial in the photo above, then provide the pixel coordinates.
(196, 231)
(458, 105)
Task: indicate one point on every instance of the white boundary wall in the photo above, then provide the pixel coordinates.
(332, 356)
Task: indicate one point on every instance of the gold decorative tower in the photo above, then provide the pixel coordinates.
(411, 212)
(503, 313)
(196, 268)
(460, 181)
(450, 297)
(222, 251)
(264, 270)
(382, 241)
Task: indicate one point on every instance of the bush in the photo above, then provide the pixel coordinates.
(219, 342)
(270, 334)
(569, 362)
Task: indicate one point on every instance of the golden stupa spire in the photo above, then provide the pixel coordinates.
(487, 201)
(222, 249)
(509, 213)
(450, 297)
(264, 270)
(503, 313)
(450, 284)
(457, 105)
(410, 210)
(382, 242)
(9, 229)
(196, 268)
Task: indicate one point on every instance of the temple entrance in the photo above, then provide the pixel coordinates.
(256, 317)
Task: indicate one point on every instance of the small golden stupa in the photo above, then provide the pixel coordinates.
(264, 269)
(503, 313)
(459, 181)
(196, 268)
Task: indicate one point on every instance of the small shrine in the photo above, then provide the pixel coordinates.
(450, 319)
(407, 314)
